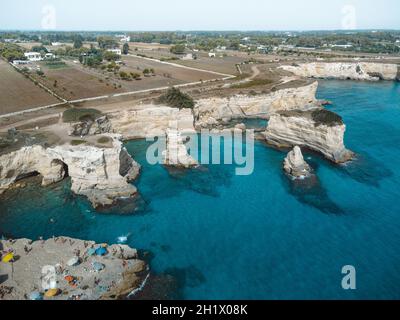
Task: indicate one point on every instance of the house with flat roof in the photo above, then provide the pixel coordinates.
(33, 56)
(116, 51)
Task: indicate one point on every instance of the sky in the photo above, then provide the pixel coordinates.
(170, 15)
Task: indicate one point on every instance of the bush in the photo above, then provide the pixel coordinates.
(77, 142)
(103, 140)
(175, 98)
(326, 117)
(75, 115)
(178, 49)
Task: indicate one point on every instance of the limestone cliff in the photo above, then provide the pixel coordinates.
(150, 121)
(317, 129)
(351, 71)
(294, 164)
(176, 154)
(210, 112)
(100, 174)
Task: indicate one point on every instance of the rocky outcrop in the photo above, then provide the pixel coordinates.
(150, 121)
(176, 154)
(317, 129)
(90, 277)
(89, 127)
(212, 112)
(346, 71)
(100, 174)
(295, 166)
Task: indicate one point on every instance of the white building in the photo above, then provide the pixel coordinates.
(123, 38)
(56, 44)
(20, 62)
(116, 51)
(33, 56)
(50, 56)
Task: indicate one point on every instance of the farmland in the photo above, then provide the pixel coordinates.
(74, 82)
(19, 93)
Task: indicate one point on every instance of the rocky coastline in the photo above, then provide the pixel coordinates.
(366, 71)
(62, 268)
(103, 174)
(315, 128)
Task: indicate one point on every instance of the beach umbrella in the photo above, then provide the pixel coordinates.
(97, 266)
(52, 293)
(101, 251)
(9, 257)
(91, 252)
(35, 295)
(73, 262)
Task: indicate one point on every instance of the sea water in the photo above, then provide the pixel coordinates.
(259, 236)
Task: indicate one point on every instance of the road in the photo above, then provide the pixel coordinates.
(225, 77)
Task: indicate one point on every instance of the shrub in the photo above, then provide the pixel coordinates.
(75, 115)
(103, 140)
(175, 98)
(77, 142)
(326, 117)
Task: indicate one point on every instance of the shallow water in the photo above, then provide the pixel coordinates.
(257, 236)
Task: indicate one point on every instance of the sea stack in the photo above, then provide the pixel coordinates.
(295, 166)
(176, 154)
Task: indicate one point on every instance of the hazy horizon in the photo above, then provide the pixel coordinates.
(209, 15)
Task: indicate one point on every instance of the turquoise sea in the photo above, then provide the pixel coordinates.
(260, 236)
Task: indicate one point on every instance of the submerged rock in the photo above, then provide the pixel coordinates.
(295, 166)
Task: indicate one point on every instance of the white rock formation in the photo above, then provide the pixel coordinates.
(176, 154)
(354, 71)
(294, 164)
(120, 276)
(210, 112)
(100, 174)
(298, 128)
(150, 121)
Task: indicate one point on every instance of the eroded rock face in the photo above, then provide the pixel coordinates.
(215, 111)
(151, 121)
(176, 154)
(300, 128)
(30, 160)
(343, 71)
(295, 166)
(100, 174)
(88, 127)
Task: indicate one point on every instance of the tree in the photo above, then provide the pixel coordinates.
(125, 48)
(175, 98)
(110, 56)
(178, 49)
(78, 43)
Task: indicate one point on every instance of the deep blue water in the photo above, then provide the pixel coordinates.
(258, 236)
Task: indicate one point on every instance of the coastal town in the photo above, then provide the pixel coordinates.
(69, 102)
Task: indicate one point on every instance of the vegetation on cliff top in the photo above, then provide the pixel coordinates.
(75, 115)
(176, 98)
(320, 116)
(326, 117)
